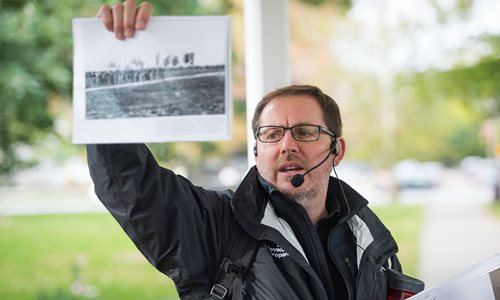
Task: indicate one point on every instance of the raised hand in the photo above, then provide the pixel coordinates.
(125, 18)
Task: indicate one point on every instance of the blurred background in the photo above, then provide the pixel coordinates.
(418, 84)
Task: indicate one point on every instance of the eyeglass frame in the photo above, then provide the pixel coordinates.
(320, 130)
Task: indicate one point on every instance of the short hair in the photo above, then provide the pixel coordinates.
(330, 109)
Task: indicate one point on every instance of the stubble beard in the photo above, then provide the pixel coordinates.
(305, 194)
(309, 193)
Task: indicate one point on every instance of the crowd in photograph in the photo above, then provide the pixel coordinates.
(171, 66)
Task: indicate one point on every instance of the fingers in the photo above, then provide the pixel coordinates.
(124, 19)
(129, 17)
(104, 13)
(117, 10)
(144, 12)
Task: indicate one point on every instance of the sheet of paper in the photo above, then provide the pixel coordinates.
(170, 82)
(472, 283)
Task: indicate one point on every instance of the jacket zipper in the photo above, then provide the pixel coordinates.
(346, 259)
(315, 251)
(349, 265)
(346, 281)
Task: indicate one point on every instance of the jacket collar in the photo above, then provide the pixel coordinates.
(249, 203)
(251, 197)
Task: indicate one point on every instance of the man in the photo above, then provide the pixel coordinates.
(316, 238)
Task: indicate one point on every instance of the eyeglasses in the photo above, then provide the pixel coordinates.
(301, 133)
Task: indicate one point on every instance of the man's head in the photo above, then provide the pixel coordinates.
(289, 150)
(329, 108)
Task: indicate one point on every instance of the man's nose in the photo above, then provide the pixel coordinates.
(288, 143)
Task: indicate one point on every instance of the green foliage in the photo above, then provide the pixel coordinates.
(468, 83)
(472, 83)
(344, 5)
(442, 110)
(439, 113)
(36, 76)
(36, 64)
(457, 9)
(433, 130)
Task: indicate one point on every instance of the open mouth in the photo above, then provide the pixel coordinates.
(291, 169)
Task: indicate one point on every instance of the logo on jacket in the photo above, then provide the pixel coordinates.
(277, 252)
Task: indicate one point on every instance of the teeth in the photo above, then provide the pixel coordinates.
(290, 168)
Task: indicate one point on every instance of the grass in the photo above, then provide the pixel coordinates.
(495, 209)
(42, 257)
(86, 256)
(405, 223)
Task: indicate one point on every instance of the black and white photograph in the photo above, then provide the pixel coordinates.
(170, 82)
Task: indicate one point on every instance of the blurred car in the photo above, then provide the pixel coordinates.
(485, 170)
(410, 173)
(353, 171)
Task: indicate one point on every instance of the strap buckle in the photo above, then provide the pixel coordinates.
(228, 266)
(218, 291)
(228, 271)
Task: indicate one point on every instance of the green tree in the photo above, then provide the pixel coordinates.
(471, 92)
(344, 5)
(35, 60)
(36, 68)
(36, 65)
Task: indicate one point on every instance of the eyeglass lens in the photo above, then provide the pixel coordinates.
(303, 133)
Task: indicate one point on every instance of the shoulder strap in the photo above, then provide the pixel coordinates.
(234, 267)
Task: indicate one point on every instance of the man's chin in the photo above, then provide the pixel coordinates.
(286, 187)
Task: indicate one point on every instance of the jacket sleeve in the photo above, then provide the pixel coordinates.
(180, 228)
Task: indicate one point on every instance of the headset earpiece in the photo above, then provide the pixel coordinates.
(335, 147)
(255, 150)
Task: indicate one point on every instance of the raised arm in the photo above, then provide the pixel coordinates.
(180, 228)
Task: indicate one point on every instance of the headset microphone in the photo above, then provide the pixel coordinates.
(298, 179)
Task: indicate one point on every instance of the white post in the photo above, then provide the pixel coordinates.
(266, 54)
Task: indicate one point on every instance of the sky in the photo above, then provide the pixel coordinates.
(398, 34)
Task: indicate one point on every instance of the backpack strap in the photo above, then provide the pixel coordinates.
(234, 267)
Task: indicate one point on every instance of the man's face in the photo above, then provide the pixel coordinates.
(279, 162)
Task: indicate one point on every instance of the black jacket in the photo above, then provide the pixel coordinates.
(185, 230)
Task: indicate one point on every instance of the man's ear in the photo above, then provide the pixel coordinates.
(339, 151)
